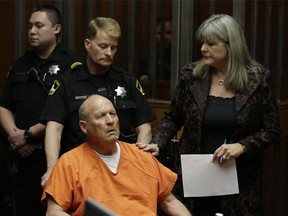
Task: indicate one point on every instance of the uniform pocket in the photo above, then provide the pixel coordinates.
(124, 103)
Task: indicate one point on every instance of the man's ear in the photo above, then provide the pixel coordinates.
(82, 125)
(87, 44)
(57, 28)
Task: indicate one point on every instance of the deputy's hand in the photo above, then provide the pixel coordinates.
(45, 177)
(16, 139)
(153, 148)
(26, 150)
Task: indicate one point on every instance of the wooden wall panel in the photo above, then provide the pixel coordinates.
(284, 53)
(80, 26)
(276, 170)
(224, 7)
(270, 27)
(6, 38)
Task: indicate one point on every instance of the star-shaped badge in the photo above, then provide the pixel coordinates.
(121, 91)
(53, 69)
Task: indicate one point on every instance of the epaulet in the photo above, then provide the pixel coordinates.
(76, 65)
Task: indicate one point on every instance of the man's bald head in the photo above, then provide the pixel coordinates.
(90, 102)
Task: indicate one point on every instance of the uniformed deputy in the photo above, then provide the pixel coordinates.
(23, 99)
(69, 92)
(96, 76)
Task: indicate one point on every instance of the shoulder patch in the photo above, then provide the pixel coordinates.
(54, 87)
(75, 64)
(139, 87)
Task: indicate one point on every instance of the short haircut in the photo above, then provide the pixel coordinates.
(83, 110)
(166, 18)
(52, 12)
(109, 25)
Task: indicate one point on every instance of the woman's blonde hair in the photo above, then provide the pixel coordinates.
(109, 25)
(226, 29)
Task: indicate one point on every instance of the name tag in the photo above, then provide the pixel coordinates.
(82, 97)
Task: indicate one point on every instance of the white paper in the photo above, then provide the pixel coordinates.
(204, 177)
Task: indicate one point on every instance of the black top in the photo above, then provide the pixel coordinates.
(27, 85)
(218, 123)
(121, 88)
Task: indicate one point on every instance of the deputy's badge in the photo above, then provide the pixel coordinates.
(53, 69)
(139, 87)
(120, 91)
(54, 87)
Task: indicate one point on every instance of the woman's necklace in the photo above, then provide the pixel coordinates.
(221, 82)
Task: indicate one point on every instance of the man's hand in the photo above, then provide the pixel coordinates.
(45, 177)
(16, 138)
(26, 150)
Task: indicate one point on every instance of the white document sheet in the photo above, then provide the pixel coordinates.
(204, 177)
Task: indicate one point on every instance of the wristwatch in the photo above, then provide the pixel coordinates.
(28, 134)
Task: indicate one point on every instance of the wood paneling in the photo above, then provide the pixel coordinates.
(276, 170)
(6, 38)
(266, 32)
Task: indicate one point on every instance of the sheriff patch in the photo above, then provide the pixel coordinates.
(54, 87)
(139, 87)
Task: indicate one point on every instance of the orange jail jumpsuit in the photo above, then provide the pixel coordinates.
(139, 184)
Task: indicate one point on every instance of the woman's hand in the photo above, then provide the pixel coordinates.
(228, 151)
